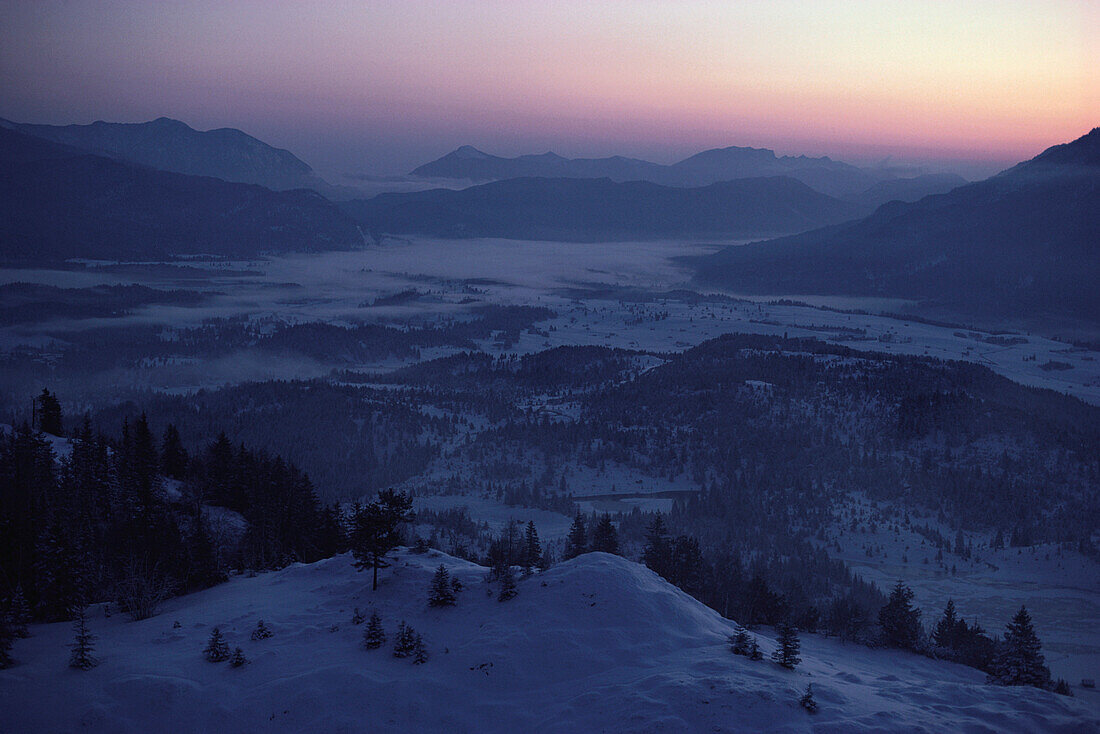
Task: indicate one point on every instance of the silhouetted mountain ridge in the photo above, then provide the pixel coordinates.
(1022, 243)
(588, 209)
(57, 202)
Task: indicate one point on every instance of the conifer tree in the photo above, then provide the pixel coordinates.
(374, 636)
(6, 639)
(262, 631)
(1020, 661)
(605, 538)
(442, 593)
(357, 617)
(507, 585)
(657, 554)
(375, 530)
(19, 614)
(238, 658)
(49, 413)
(82, 647)
(173, 456)
(1062, 688)
(900, 620)
(404, 644)
(740, 641)
(420, 652)
(807, 701)
(217, 649)
(788, 647)
(754, 650)
(532, 548)
(576, 542)
(946, 630)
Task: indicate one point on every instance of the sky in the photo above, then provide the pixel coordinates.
(362, 86)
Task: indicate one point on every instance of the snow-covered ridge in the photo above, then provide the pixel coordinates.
(594, 644)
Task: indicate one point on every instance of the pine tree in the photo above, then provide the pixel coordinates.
(6, 639)
(357, 617)
(1062, 688)
(405, 643)
(807, 701)
(657, 554)
(946, 630)
(375, 530)
(740, 641)
(19, 614)
(788, 647)
(238, 658)
(82, 647)
(217, 649)
(605, 538)
(754, 650)
(576, 542)
(900, 620)
(420, 652)
(374, 636)
(532, 548)
(507, 585)
(262, 631)
(1020, 662)
(442, 593)
(173, 457)
(49, 413)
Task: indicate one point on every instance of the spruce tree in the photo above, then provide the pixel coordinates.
(507, 585)
(238, 658)
(404, 644)
(576, 542)
(788, 647)
(217, 649)
(740, 641)
(657, 554)
(49, 413)
(6, 639)
(420, 652)
(374, 636)
(82, 647)
(754, 650)
(441, 593)
(807, 701)
(900, 620)
(532, 548)
(1020, 661)
(1062, 688)
(375, 530)
(605, 538)
(173, 457)
(19, 614)
(946, 631)
(262, 631)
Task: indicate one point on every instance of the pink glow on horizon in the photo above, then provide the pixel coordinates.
(386, 85)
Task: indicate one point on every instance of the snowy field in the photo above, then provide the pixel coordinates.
(594, 644)
(585, 283)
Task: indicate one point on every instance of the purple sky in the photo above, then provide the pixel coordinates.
(380, 87)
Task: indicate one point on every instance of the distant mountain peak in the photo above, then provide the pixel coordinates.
(469, 152)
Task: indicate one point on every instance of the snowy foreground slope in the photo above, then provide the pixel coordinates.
(592, 645)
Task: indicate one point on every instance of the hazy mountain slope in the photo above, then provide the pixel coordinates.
(1023, 242)
(594, 644)
(710, 166)
(171, 145)
(594, 209)
(908, 189)
(57, 203)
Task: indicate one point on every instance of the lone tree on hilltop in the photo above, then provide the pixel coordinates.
(375, 530)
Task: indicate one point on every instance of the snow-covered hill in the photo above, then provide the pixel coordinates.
(597, 644)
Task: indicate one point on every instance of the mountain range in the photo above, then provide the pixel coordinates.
(171, 145)
(1023, 243)
(58, 202)
(825, 175)
(591, 209)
